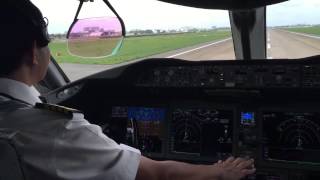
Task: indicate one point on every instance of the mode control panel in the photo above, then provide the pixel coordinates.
(233, 75)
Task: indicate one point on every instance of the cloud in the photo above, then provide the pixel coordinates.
(152, 14)
(294, 12)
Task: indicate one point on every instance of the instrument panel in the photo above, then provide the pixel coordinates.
(202, 112)
(218, 132)
(279, 140)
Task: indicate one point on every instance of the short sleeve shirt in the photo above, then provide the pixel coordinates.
(54, 146)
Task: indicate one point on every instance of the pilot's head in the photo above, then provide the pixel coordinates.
(23, 41)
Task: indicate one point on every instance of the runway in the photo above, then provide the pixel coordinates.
(280, 45)
(289, 45)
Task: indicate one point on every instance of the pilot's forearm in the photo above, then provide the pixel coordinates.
(183, 171)
(172, 170)
(230, 169)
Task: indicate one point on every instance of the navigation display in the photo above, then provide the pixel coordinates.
(202, 132)
(291, 136)
(144, 126)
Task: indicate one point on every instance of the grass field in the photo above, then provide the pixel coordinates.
(95, 47)
(314, 30)
(139, 47)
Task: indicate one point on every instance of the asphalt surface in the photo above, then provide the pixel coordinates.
(216, 50)
(289, 45)
(281, 44)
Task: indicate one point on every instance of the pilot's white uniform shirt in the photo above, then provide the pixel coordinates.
(54, 146)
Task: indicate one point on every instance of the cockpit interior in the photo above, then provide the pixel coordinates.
(201, 112)
(207, 110)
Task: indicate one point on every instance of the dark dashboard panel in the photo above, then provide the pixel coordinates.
(201, 112)
(240, 75)
(227, 76)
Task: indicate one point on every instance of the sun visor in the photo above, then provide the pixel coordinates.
(224, 4)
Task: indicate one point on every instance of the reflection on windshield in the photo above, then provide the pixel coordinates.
(95, 37)
(181, 32)
(294, 29)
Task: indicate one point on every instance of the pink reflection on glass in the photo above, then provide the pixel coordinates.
(96, 27)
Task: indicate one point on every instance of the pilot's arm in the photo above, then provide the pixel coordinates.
(231, 169)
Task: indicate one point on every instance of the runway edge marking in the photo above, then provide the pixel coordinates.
(201, 47)
(303, 34)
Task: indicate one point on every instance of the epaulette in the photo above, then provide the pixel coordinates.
(59, 109)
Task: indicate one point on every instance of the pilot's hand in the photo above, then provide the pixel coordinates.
(235, 168)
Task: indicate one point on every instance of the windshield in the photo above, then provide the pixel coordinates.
(293, 29)
(153, 30)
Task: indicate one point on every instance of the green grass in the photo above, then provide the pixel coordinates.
(139, 47)
(93, 47)
(314, 30)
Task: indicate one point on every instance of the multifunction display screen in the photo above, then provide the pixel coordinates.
(144, 126)
(202, 132)
(291, 136)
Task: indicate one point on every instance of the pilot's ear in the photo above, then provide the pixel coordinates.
(34, 54)
(30, 56)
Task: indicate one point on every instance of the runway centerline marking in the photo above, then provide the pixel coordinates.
(201, 47)
(269, 45)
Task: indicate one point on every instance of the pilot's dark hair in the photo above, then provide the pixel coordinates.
(22, 24)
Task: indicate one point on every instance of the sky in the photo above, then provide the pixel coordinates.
(152, 14)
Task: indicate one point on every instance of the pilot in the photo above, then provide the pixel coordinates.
(58, 143)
